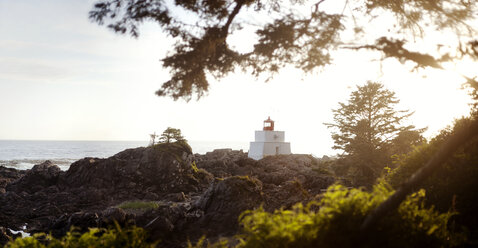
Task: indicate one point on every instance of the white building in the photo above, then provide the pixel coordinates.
(268, 142)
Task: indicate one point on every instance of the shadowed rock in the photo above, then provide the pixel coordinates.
(194, 195)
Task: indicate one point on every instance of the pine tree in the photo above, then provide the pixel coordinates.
(171, 135)
(365, 127)
(280, 33)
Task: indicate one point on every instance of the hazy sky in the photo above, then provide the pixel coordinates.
(65, 78)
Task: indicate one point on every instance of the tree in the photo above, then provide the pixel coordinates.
(296, 32)
(365, 127)
(171, 134)
(406, 140)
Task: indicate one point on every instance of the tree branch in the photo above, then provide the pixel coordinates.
(231, 17)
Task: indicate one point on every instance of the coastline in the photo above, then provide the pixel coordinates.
(24, 154)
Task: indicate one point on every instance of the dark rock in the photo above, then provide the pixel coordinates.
(40, 176)
(225, 200)
(142, 173)
(112, 215)
(168, 222)
(9, 175)
(197, 195)
(225, 163)
(6, 236)
(83, 220)
(280, 175)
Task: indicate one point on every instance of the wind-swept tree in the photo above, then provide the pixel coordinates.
(171, 135)
(364, 127)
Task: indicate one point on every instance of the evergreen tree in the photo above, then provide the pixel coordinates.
(171, 135)
(279, 33)
(365, 128)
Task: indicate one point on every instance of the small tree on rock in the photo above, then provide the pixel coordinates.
(171, 135)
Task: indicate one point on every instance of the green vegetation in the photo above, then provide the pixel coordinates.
(369, 130)
(337, 222)
(451, 187)
(301, 34)
(171, 135)
(139, 205)
(134, 237)
(176, 148)
(194, 167)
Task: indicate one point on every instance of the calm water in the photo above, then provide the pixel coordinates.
(22, 154)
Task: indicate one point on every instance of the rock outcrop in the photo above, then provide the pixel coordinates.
(225, 200)
(286, 179)
(7, 176)
(194, 195)
(39, 177)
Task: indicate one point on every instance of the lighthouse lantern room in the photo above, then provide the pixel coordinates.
(268, 142)
(268, 124)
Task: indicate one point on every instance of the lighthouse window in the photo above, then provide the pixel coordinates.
(267, 124)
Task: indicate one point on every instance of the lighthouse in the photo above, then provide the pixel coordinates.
(268, 142)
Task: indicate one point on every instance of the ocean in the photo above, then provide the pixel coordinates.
(24, 154)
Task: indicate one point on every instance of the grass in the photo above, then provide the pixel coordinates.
(138, 205)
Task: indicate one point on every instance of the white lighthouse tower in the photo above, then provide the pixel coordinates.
(268, 142)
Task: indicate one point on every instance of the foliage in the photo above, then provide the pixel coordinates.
(171, 134)
(176, 148)
(194, 167)
(368, 121)
(96, 237)
(294, 32)
(454, 185)
(143, 205)
(406, 141)
(322, 169)
(337, 222)
(368, 126)
(201, 243)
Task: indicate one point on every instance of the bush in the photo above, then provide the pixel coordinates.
(177, 147)
(454, 185)
(337, 222)
(96, 237)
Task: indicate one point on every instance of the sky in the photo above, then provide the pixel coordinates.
(63, 77)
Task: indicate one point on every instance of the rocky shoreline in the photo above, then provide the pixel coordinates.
(195, 194)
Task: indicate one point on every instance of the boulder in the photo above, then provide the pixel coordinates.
(225, 200)
(8, 175)
(39, 177)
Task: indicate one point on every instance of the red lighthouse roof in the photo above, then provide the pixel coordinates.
(268, 124)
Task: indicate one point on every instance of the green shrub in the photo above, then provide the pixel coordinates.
(453, 186)
(139, 205)
(337, 222)
(96, 237)
(177, 147)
